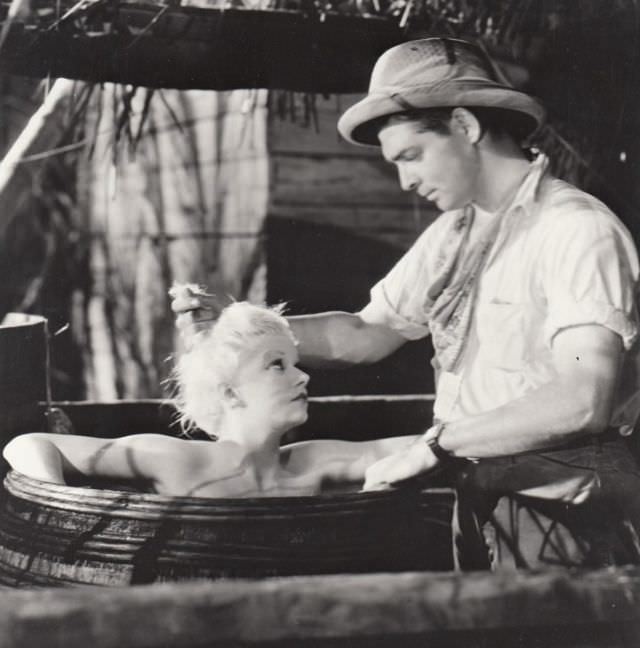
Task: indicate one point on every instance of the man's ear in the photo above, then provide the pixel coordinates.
(229, 395)
(467, 123)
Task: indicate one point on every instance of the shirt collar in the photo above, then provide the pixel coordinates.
(529, 190)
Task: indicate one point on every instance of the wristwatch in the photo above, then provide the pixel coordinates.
(433, 442)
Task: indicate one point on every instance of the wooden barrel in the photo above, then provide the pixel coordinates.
(64, 535)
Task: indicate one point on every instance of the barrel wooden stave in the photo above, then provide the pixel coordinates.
(57, 535)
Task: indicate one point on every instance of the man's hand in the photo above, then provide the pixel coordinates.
(411, 461)
(195, 309)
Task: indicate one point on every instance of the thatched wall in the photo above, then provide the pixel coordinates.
(188, 205)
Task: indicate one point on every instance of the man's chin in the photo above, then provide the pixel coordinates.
(449, 205)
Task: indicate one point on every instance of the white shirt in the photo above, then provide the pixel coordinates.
(561, 259)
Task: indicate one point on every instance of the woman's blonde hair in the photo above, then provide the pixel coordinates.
(212, 360)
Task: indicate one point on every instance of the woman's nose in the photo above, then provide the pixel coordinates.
(302, 378)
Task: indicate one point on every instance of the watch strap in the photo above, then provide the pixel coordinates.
(433, 442)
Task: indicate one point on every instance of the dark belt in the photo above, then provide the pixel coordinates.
(608, 436)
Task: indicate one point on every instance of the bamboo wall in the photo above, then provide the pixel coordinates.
(188, 204)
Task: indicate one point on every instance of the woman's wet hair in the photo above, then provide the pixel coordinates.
(497, 121)
(212, 360)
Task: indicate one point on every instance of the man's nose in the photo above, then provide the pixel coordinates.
(408, 181)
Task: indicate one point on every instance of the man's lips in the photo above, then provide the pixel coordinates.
(302, 396)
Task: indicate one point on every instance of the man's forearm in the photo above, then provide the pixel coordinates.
(576, 402)
(546, 417)
(340, 339)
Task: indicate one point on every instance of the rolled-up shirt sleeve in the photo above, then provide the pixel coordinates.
(590, 275)
(397, 301)
(380, 310)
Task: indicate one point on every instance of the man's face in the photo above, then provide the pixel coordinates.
(443, 168)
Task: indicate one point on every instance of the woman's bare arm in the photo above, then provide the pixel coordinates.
(342, 460)
(54, 457)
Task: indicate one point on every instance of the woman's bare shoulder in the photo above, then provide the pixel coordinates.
(196, 451)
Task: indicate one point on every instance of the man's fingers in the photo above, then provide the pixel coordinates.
(204, 301)
(376, 487)
(184, 303)
(191, 297)
(377, 475)
(398, 467)
(193, 314)
(391, 469)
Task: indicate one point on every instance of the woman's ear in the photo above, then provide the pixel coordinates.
(466, 123)
(229, 395)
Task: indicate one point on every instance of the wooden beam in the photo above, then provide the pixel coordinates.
(322, 609)
(198, 47)
(350, 417)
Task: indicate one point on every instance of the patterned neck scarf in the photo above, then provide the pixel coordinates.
(450, 298)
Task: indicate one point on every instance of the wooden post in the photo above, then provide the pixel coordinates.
(23, 376)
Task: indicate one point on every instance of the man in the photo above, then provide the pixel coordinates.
(527, 286)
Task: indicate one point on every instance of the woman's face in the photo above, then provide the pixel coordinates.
(269, 384)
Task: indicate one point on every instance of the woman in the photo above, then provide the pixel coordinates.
(239, 382)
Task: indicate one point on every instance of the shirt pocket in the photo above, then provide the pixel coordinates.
(502, 334)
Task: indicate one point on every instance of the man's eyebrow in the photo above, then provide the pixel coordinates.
(398, 155)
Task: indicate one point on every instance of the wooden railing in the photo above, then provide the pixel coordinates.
(592, 609)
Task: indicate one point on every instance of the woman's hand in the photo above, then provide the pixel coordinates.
(194, 308)
(413, 460)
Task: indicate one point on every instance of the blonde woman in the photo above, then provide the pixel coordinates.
(239, 382)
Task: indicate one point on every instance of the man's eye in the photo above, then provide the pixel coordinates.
(411, 155)
(278, 364)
